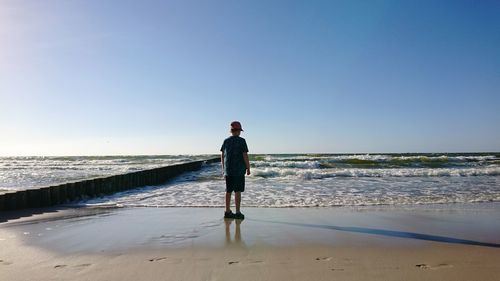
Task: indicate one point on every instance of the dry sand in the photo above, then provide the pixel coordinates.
(450, 242)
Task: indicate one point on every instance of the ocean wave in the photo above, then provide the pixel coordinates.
(374, 161)
(26, 172)
(289, 164)
(34, 171)
(377, 157)
(307, 174)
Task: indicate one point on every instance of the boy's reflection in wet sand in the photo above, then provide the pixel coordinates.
(237, 232)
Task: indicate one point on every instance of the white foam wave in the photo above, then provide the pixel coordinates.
(288, 164)
(374, 157)
(357, 172)
(381, 157)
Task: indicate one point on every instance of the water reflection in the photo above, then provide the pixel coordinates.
(236, 240)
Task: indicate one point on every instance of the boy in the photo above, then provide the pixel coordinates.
(234, 159)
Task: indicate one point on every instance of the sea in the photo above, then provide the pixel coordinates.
(280, 180)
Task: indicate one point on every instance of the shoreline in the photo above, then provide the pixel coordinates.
(369, 243)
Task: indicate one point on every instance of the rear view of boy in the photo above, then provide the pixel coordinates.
(234, 159)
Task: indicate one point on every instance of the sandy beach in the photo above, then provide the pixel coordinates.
(441, 242)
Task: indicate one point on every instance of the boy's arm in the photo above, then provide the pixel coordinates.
(222, 161)
(247, 162)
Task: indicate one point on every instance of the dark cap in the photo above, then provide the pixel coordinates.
(235, 125)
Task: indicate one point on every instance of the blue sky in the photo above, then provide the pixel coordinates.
(167, 77)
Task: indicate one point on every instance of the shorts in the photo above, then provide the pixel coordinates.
(235, 183)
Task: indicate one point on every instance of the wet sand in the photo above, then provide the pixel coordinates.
(439, 242)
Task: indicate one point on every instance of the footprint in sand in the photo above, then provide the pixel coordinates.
(323, 258)
(78, 265)
(169, 260)
(157, 259)
(423, 266)
(5, 262)
(246, 262)
(439, 266)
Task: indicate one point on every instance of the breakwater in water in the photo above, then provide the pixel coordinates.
(94, 187)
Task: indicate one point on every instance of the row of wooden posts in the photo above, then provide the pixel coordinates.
(95, 187)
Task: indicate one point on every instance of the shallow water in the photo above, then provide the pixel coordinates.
(95, 229)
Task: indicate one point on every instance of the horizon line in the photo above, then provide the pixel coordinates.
(279, 153)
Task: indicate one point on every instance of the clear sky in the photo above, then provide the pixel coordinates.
(92, 77)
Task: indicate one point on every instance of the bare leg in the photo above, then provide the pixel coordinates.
(228, 201)
(237, 200)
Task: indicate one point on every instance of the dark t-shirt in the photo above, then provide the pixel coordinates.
(233, 148)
